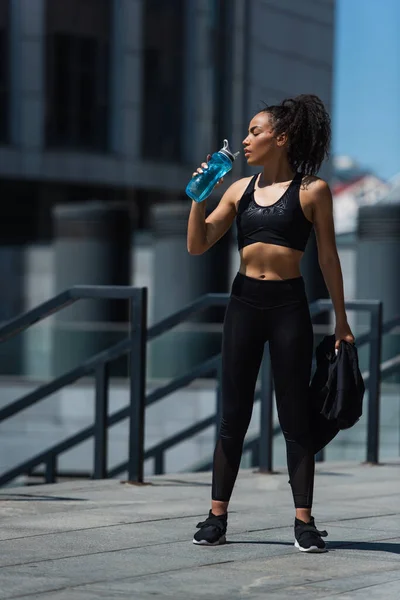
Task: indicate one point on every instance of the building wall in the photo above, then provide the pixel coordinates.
(236, 54)
(279, 48)
(291, 52)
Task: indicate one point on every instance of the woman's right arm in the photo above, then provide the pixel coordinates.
(203, 233)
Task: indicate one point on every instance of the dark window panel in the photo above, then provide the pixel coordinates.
(78, 96)
(221, 43)
(163, 79)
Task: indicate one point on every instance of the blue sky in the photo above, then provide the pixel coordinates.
(366, 102)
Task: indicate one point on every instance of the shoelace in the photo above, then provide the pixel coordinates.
(212, 522)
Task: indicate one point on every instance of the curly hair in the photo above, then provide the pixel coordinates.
(308, 126)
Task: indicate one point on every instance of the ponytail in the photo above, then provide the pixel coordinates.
(307, 125)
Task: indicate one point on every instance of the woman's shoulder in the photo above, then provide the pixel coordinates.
(316, 194)
(315, 189)
(239, 186)
(314, 184)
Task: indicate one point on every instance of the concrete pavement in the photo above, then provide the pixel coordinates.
(92, 540)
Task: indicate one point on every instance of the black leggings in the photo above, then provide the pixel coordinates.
(277, 312)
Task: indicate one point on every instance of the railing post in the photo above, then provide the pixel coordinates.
(159, 466)
(254, 451)
(137, 358)
(266, 424)
(218, 408)
(51, 469)
(374, 385)
(100, 423)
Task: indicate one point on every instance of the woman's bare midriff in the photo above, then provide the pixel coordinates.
(268, 261)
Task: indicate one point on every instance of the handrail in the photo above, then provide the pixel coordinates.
(135, 345)
(62, 381)
(390, 325)
(62, 300)
(80, 292)
(252, 444)
(197, 306)
(210, 366)
(22, 322)
(157, 452)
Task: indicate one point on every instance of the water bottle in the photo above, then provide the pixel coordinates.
(220, 163)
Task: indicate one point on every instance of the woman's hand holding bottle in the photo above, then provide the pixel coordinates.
(204, 166)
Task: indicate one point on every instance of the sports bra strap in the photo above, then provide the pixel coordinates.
(251, 185)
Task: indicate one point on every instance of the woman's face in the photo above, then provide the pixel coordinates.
(261, 142)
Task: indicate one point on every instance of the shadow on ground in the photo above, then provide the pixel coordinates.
(33, 498)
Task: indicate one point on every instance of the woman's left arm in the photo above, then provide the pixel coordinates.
(328, 256)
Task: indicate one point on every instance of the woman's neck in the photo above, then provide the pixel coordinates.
(276, 172)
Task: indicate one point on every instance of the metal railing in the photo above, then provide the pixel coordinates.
(135, 345)
(138, 400)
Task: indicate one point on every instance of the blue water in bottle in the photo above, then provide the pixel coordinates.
(220, 163)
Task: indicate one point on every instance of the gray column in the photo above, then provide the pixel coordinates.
(180, 278)
(27, 73)
(116, 77)
(378, 259)
(189, 91)
(26, 133)
(198, 86)
(92, 246)
(126, 73)
(239, 79)
(12, 271)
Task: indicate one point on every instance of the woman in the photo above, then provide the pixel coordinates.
(275, 212)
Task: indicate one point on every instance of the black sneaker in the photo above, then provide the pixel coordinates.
(212, 531)
(307, 537)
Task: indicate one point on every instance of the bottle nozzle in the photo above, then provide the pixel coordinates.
(226, 150)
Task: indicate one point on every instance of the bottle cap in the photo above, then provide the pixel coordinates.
(228, 152)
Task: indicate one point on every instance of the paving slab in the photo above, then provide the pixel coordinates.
(91, 540)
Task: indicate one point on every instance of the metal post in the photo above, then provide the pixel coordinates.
(159, 466)
(218, 408)
(374, 385)
(266, 425)
(138, 333)
(254, 451)
(100, 423)
(51, 468)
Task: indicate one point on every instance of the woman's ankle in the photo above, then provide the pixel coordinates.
(303, 514)
(219, 508)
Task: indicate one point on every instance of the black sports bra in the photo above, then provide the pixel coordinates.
(282, 223)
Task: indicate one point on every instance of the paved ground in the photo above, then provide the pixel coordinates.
(107, 540)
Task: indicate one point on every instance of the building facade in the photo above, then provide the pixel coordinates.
(120, 99)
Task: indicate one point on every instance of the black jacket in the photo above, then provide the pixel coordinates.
(337, 388)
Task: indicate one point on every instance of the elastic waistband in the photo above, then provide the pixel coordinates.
(272, 282)
(267, 293)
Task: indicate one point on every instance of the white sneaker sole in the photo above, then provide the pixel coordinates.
(311, 550)
(222, 540)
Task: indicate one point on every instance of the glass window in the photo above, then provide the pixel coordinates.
(163, 46)
(78, 99)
